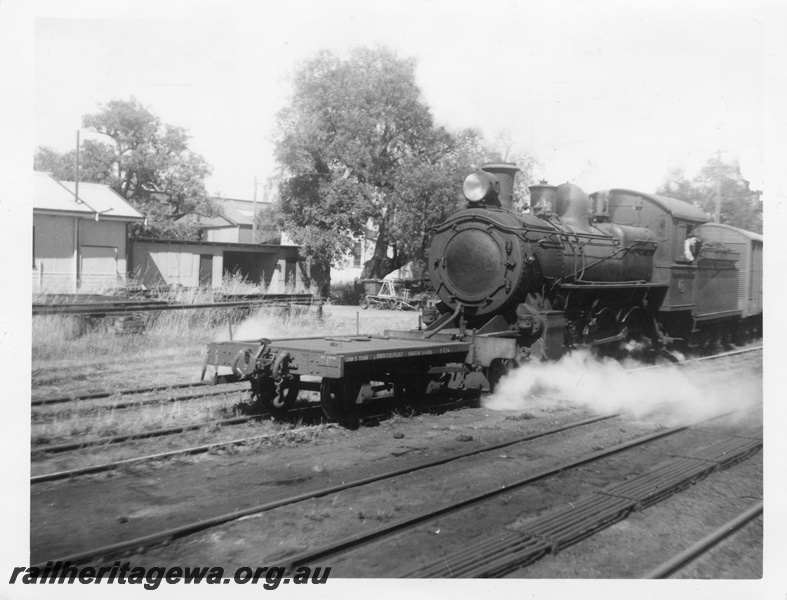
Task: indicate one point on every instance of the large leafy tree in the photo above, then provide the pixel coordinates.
(740, 205)
(357, 147)
(149, 164)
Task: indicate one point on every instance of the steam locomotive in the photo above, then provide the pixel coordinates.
(617, 271)
(614, 269)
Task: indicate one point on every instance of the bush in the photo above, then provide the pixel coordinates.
(348, 293)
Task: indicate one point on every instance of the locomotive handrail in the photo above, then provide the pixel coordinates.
(601, 260)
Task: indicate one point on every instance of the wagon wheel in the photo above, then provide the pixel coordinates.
(364, 303)
(337, 397)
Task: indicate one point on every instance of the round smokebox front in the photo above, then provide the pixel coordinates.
(473, 265)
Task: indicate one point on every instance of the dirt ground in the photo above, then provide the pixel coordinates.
(88, 512)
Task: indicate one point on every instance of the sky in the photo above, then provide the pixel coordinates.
(603, 94)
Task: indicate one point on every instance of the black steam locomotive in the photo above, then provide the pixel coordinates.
(611, 270)
(616, 270)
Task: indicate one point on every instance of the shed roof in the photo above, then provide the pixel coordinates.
(238, 212)
(234, 213)
(50, 194)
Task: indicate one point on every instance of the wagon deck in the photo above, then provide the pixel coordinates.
(334, 356)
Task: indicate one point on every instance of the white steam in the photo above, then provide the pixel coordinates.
(669, 395)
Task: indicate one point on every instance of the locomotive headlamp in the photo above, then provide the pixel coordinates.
(480, 186)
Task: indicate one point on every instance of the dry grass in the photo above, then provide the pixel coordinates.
(69, 423)
(280, 435)
(170, 350)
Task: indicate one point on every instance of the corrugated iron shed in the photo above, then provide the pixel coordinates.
(50, 195)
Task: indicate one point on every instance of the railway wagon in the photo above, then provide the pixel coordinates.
(350, 370)
(749, 246)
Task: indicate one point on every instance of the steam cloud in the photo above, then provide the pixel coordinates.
(669, 395)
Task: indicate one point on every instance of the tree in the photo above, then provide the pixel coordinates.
(95, 162)
(357, 146)
(740, 205)
(150, 165)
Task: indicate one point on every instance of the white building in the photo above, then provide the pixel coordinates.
(79, 243)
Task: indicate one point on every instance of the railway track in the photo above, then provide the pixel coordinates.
(125, 306)
(683, 559)
(160, 432)
(669, 481)
(71, 473)
(173, 386)
(558, 529)
(116, 439)
(151, 402)
(121, 392)
(314, 412)
(171, 534)
(339, 547)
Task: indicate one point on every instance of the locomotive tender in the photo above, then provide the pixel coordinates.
(613, 270)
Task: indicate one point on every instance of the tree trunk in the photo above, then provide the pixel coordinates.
(319, 276)
(380, 264)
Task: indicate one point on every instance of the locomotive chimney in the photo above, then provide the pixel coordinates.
(505, 175)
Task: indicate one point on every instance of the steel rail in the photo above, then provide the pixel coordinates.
(55, 448)
(114, 439)
(132, 391)
(303, 410)
(682, 559)
(360, 539)
(130, 461)
(236, 442)
(121, 392)
(700, 358)
(170, 399)
(586, 516)
(119, 309)
(225, 518)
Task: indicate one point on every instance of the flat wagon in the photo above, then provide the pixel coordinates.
(349, 370)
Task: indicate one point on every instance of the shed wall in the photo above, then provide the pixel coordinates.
(54, 266)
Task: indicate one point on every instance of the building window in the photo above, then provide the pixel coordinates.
(357, 249)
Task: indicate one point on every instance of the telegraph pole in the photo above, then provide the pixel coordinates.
(254, 220)
(76, 174)
(718, 187)
(77, 270)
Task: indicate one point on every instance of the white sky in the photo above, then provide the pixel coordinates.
(603, 93)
